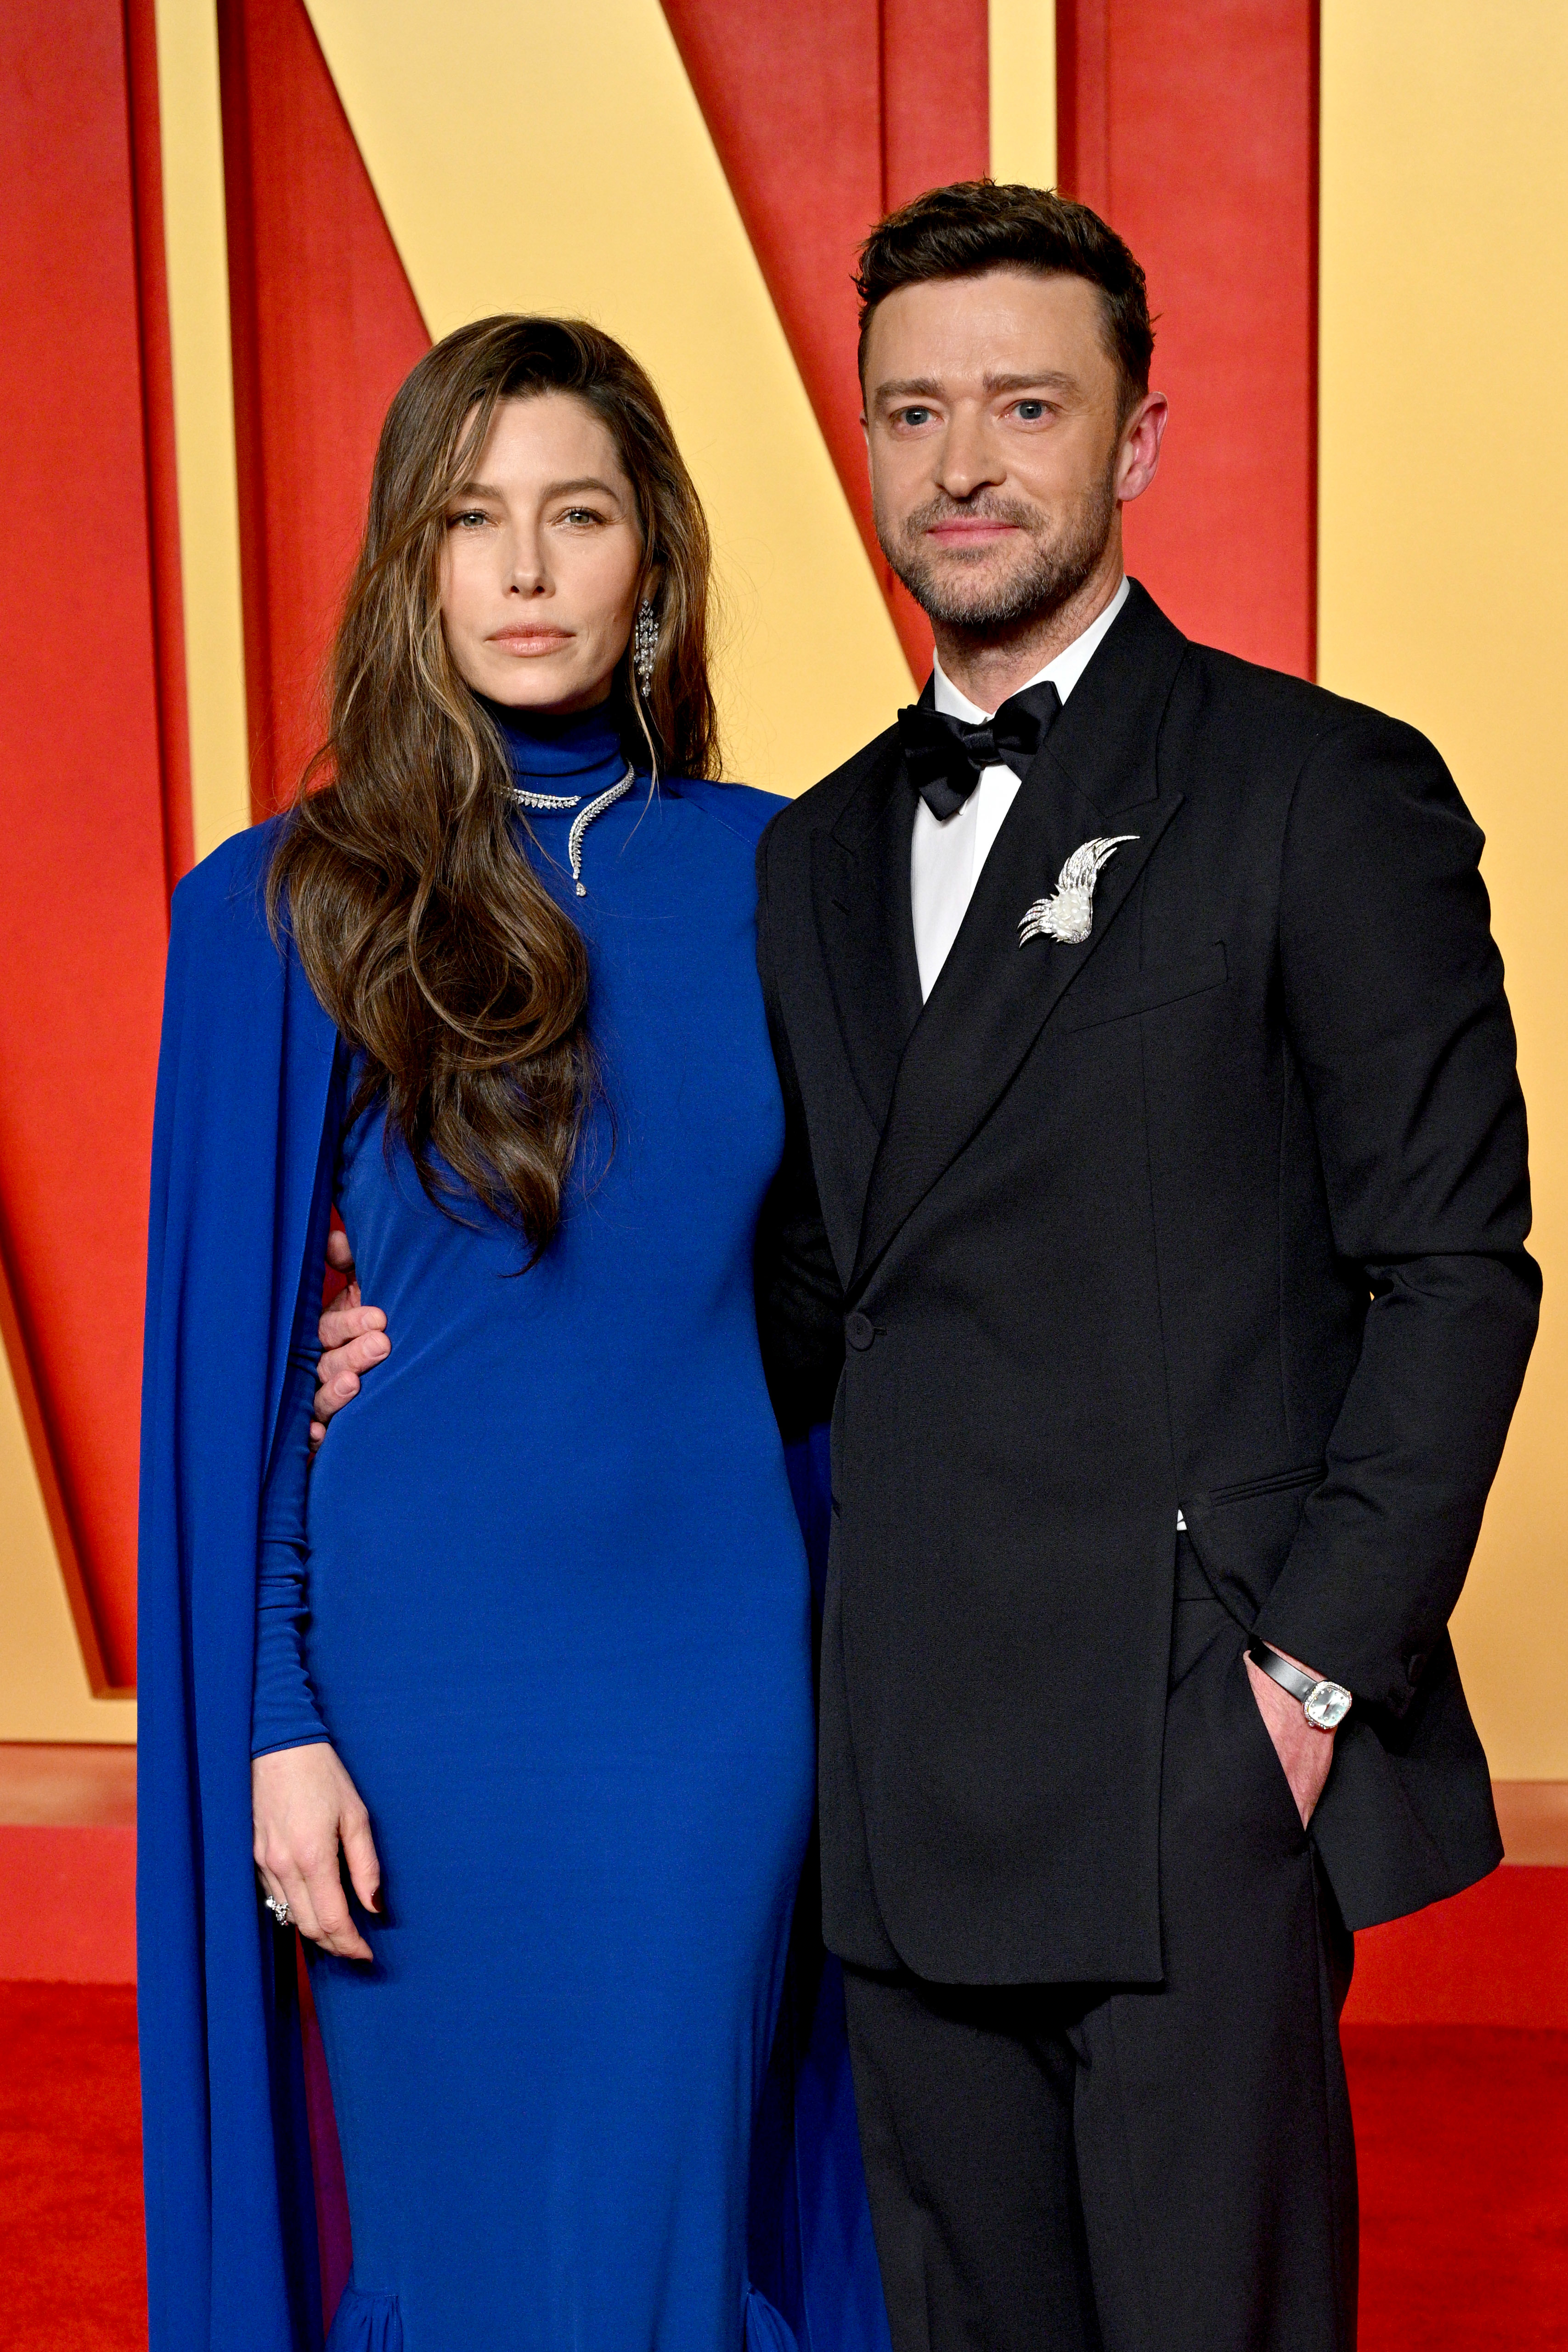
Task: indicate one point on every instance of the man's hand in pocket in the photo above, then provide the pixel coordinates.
(1305, 1754)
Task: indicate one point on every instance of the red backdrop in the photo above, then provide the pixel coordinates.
(95, 815)
(1192, 126)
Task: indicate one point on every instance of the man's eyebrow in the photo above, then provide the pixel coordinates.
(916, 387)
(1053, 379)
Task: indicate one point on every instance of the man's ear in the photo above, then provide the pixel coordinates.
(1138, 457)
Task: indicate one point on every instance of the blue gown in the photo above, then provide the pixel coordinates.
(545, 1591)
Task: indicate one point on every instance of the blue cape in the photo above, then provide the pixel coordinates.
(245, 1075)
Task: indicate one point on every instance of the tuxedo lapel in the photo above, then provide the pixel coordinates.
(1095, 774)
(860, 889)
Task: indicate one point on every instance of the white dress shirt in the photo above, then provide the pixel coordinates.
(947, 854)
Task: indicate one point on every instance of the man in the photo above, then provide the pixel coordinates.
(1155, 1146)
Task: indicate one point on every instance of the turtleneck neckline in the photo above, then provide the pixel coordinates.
(569, 754)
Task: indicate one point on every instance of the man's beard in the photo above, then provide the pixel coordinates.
(1052, 571)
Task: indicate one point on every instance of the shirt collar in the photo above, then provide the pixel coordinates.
(1064, 671)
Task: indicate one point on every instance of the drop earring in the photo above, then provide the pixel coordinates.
(645, 645)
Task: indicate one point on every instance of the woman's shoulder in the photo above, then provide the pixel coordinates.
(223, 944)
(741, 809)
(234, 979)
(228, 887)
(220, 907)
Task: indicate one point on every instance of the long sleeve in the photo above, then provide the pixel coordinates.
(284, 1713)
(1394, 1004)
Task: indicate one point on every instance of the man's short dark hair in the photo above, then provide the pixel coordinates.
(974, 225)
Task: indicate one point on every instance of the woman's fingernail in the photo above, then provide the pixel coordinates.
(376, 1901)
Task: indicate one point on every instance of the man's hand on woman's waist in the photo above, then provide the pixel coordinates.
(353, 1338)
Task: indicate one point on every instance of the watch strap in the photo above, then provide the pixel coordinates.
(1289, 1677)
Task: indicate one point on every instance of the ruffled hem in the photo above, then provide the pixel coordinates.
(373, 2323)
(767, 2330)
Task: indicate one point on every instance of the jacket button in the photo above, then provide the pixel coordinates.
(859, 1331)
(1414, 1664)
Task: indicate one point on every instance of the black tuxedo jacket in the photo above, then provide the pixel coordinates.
(1222, 1211)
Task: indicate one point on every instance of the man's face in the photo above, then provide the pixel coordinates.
(997, 448)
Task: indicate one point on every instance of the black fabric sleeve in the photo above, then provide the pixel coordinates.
(800, 1300)
(1395, 1009)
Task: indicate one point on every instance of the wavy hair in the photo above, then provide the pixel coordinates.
(420, 922)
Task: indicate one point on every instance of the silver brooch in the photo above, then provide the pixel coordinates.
(1067, 915)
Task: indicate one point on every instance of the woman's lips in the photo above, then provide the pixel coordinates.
(524, 642)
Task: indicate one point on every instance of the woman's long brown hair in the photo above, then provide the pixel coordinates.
(420, 922)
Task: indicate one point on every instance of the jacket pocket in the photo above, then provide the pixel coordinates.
(1164, 983)
(1273, 1482)
(1242, 1534)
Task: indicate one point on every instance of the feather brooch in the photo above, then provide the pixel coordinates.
(1067, 915)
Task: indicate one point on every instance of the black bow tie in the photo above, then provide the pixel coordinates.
(945, 758)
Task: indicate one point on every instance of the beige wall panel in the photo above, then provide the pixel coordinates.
(1443, 518)
(533, 157)
(197, 254)
(44, 1689)
(1023, 36)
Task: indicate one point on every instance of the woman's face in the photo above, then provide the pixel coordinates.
(542, 558)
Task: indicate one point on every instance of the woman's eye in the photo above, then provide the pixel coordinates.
(581, 514)
(467, 520)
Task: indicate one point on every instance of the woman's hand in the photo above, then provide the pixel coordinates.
(304, 1807)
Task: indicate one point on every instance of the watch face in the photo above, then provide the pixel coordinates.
(1327, 1705)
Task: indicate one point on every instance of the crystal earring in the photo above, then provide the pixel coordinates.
(645, 645)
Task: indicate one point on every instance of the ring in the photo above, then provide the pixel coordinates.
(279, 1910)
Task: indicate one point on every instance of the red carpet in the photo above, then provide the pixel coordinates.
(1463, 2133)
(1462, 2142)
(72, 2278)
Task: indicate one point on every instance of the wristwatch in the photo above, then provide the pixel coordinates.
(1324, 1705)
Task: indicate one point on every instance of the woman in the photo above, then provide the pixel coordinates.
(490, 990)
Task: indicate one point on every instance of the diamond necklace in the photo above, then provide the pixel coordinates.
(581, 821)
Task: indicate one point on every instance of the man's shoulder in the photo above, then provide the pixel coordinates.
(1291, 716)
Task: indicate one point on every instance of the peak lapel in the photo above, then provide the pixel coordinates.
(993, 997)
(860, 889)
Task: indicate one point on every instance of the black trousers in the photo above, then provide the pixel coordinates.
(1101, 2169)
